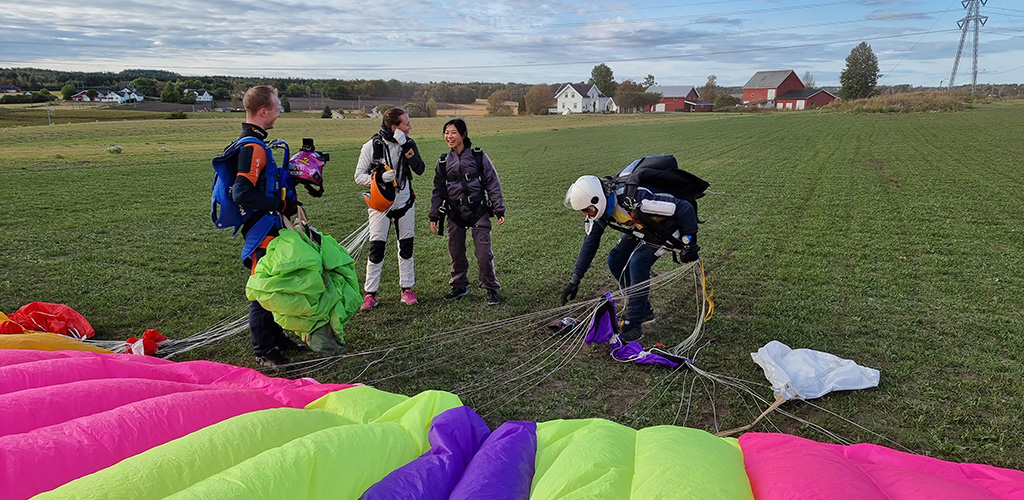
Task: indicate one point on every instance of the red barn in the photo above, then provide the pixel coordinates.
(677, 98)
(765, 86)
(804, 98)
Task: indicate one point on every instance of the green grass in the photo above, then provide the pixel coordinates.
(891, 239)
(15, 115)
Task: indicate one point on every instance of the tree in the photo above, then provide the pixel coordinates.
(808, 80)
(188, 98)
(709, 91)
(430, 107)
(497, 103)
(92, 94)
(147, 86)
(725, 101)
(602, 76)
(632, 97)
(287, 106)
(171, 93)
(539, 97)
(522, 105)
(648, 82)
(326, 113)
(67, 91)
(861, 74)
(414, 110)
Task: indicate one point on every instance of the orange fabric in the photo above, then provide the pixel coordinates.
(259, 160)
(262, 246)
(43, 341)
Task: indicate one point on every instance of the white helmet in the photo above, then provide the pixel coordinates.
(587, 191)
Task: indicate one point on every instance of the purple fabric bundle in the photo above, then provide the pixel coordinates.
(604, 329)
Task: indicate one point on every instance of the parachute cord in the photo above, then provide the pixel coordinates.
(705, 285)
(778, 402)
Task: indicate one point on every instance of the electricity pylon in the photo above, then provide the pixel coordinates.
(972, 19)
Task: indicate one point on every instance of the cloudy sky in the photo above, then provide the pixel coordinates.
(527, 41)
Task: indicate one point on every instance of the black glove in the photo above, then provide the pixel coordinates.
(569, 293)
(290, 208)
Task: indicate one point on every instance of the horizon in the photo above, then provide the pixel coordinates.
(526, 42)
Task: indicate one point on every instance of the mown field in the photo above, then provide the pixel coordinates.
(893, 240)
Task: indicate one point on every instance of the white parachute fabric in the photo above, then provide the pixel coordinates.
(809, 374)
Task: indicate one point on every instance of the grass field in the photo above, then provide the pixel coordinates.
(893, 240)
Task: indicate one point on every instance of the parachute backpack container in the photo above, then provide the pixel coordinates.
(663, 173)
(224, 212)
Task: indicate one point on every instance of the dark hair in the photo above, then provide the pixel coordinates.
(460, 125)
(393, 117)
(258, 97)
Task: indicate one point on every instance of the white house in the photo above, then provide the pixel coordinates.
(201, 95)
(583, 98)
(127, 94)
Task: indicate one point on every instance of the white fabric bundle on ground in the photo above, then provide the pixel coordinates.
(809, 374)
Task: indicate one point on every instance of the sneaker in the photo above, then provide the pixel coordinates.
(272, 359)
(649, 317)
(492, 298)
(369, 302)
(287, 344)
(409, 298)
(631, 332)
(456, 293)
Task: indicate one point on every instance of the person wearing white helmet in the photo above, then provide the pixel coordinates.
(652, 222)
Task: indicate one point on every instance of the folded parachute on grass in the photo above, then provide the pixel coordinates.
(84, 425)
(306, 285)
(15, 336)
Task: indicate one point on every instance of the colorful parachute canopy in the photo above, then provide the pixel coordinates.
(84, 425)
(65, 414)
(306, 285)
(53, 318)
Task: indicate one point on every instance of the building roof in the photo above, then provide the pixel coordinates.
(802, 94)
(767, 79)
(671, 90)
(583, 89)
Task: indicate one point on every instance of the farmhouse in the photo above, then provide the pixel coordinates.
(765, 86)
(9, 89)
(677, 98)
(201, 95)
(129, 95)
(804, 98)
(583, 98)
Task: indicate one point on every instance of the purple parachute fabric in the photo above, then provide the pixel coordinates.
(455, 436)
(604, 328)
(503, 468)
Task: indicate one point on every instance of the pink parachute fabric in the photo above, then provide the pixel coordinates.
(784, 467)
(65, 414)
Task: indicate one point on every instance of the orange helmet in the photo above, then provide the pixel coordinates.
(381, 195)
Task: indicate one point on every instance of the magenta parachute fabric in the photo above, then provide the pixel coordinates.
(65, 414)
(784, 467)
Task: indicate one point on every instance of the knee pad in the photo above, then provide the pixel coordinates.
(376, 254)
(405, 248)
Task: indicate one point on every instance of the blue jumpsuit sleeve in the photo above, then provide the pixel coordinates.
(588, 250)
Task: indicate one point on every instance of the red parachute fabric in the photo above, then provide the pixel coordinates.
(53, 318)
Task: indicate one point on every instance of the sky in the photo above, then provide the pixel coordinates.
(524, 41)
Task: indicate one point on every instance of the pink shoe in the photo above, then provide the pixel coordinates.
(369, 302)
(409, 298)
